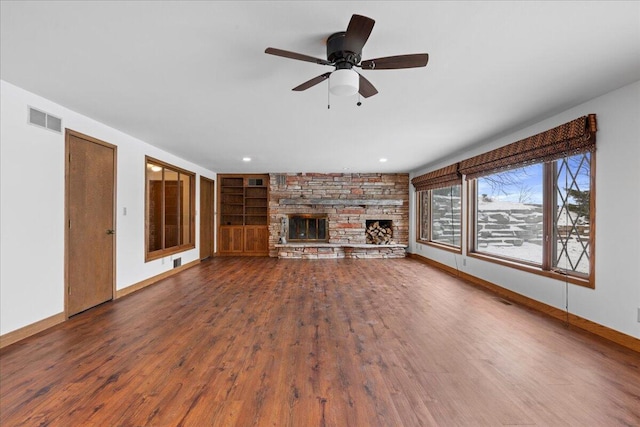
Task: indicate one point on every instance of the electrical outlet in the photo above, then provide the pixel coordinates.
(464, 262)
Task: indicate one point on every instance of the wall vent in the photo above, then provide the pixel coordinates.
(45, 120)
(177, 262)
(281, 180)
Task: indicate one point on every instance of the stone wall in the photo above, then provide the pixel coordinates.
(348, 200)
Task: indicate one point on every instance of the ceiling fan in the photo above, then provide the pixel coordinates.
(344, 52)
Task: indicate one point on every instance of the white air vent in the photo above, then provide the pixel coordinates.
(45, 120)
(255, 182)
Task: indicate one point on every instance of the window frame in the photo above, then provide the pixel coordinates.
(151, 255)
(419, 195)
(546, 267)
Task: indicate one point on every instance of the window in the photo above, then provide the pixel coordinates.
(532, 202)
(170, 209)
(572, 215)
(438, 202)
(509, 214)
(440, 215)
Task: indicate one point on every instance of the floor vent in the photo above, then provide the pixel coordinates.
(45, 120)
(504, 301)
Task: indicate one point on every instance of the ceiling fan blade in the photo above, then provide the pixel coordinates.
(396, 62)
(366, 88)
(294, 55)
(314, 81)
(357, 33)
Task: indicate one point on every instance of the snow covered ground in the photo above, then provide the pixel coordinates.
(574, 259)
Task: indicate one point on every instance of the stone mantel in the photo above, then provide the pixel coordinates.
(342, 202)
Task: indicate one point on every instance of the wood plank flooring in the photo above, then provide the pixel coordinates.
(268, 342)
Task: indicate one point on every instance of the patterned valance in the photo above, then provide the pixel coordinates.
(577, 136)
(440, 178)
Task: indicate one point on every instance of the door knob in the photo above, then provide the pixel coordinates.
(111, 231)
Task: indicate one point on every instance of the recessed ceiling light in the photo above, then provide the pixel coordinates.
(246, 159)
(383, 160)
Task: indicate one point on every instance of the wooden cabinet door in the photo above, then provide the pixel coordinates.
(256, 240)
(231, 239)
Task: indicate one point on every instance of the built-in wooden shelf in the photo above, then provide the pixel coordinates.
(244, 214)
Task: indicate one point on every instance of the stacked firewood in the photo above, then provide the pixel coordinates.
(378, 234)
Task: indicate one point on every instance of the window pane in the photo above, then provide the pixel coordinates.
(185, 209)
(154, 186)
(171, 208)
(509, 214)
(572, 213)
(445, 215)
(423, 212)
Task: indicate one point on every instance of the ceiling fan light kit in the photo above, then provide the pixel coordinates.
(344, 51)
(344, 82)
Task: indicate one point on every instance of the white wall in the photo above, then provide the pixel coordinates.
(32, 208)
(616, 298)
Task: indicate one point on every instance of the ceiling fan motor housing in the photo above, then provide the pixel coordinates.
(337, 54)
(344, 51)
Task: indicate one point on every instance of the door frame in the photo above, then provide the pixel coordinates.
(68, 134)
(212, 209)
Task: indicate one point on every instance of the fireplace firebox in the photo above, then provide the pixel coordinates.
(308, 228)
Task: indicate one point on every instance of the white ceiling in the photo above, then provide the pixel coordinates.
(192, 77)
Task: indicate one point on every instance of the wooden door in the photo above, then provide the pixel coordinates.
(207, 188)
(90, 237)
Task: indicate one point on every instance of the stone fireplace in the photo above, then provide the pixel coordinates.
(328, 215)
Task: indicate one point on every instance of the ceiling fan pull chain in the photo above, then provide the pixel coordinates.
(328, 98)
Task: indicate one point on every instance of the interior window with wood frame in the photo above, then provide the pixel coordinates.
(537, 212)
(169, 209)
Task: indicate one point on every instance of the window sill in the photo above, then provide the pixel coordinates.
(150, 256)
(565, 278)
(442, 246)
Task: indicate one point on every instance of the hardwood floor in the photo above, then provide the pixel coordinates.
(268, 342)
